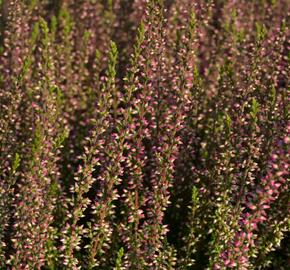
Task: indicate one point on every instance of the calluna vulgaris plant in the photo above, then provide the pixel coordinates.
(144, 134)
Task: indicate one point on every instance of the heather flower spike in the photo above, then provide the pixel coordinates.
(144, 134)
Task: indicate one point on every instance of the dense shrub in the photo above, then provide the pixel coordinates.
(144, 134)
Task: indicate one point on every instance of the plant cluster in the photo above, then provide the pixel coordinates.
(144, 134)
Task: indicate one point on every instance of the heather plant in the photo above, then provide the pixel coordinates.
(144, 134)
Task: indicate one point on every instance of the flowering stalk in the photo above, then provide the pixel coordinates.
(34, 203)
(243, 247)
(84, 178)
(13, 69)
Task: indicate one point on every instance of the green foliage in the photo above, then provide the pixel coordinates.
(254, 109)
(261, 32)
(119, 259)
